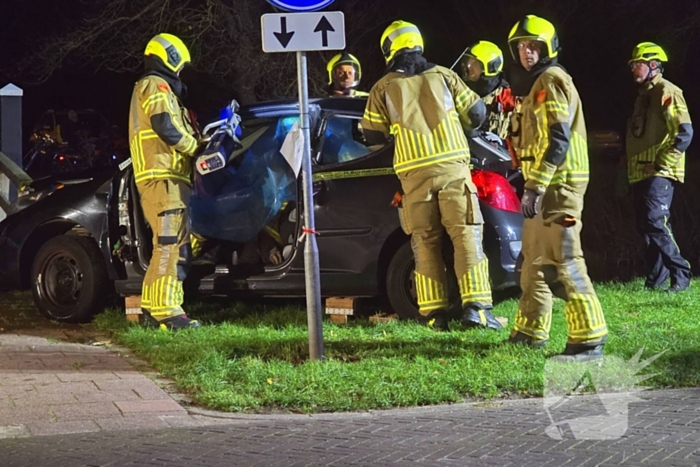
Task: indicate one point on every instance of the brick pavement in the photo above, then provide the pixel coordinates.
(49, 388)
(78, 405)
(664, 430)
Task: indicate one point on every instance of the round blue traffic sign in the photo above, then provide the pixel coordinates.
(301, 5)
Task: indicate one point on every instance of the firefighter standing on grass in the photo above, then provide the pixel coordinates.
(482, 71)
(162, 143)
(426, 107)
(658, 135)
(554, 158)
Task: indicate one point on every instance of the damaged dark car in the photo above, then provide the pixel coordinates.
(75, 242)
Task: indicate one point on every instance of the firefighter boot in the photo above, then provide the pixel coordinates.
(478, 317)
(170, 324)
(579, 353)
(437, 319)
(521, 338)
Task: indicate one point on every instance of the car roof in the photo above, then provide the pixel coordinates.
(352, 105)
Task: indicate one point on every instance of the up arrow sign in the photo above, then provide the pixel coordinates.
(299, 32)
(283, 36)
(324, 27)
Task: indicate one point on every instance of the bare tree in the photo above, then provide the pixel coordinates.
(223, 35)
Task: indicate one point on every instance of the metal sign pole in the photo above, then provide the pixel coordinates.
(311, 268)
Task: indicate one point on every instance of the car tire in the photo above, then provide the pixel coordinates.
(400, 288)
(69, 279)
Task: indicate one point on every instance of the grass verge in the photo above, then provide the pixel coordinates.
(252, 357)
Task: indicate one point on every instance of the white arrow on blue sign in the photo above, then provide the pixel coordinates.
(301, 5)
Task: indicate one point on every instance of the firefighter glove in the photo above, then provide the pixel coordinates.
(529, 203)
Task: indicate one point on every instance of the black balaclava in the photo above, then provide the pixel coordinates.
(485, 85)
(154, 66)
(410, 63)
(521, 80)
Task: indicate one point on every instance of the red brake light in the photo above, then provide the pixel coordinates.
(61, 158)
(495, 190)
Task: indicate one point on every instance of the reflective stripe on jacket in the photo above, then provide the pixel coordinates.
(160, 133)
(653, 131)
(426, 113)
(552, 142)
(500, 105)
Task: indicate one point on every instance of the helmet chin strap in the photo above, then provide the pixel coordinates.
(650, 73)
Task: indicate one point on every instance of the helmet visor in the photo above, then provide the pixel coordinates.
(472, 69)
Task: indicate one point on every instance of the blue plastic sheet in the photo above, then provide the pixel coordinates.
(236, 204)
(339, 145)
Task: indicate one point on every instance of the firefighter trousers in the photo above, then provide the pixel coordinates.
(652, 203)
(165, 206)
(553, 266)
(443, 198)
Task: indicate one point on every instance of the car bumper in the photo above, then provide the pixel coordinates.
(503, 241)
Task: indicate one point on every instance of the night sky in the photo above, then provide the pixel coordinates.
(596, 37)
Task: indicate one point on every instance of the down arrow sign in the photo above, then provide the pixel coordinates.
(323, 27)
(283, 36)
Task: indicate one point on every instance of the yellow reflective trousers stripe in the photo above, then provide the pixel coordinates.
(475, 285)
(432, 294)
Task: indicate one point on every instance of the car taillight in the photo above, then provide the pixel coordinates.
(494, 190)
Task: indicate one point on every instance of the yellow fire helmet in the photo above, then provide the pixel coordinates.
(534, 28)
(399, 38)
(647, 52)
(489, 55)
(344, 59)
(170, 49)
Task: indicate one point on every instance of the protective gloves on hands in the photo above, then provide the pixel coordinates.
(529, 203)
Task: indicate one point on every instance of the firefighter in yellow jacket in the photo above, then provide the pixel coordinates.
(482, 71)
(554, 159)
(426, 108)
(658, 135)
(344, 75)
(162, 143)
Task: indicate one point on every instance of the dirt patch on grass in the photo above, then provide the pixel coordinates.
(19, 315)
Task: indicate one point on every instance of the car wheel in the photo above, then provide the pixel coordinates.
(69, 279)
(400, 283)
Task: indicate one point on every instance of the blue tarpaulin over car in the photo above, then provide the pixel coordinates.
(339, 145)
(235, 204)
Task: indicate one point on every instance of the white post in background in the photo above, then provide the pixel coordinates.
(10, 136)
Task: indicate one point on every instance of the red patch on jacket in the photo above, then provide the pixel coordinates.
(667, 101)
(163, 87)
(507, 100)
(541, 96)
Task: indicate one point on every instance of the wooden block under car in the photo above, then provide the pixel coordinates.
(339, 308)
(503, 320)
(339, 319)
(132, 304)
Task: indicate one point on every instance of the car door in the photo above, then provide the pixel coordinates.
(354, 186)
